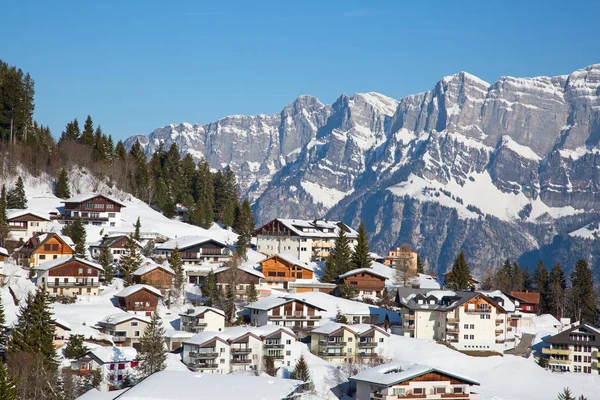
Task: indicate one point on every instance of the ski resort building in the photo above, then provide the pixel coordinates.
(116, 244)
(296, 314)
(69, 276)
(398, 380)
(341, 344)
(195, 250)
(155, 275)
(576, 349)
(115, 364)
(139, 299)
(126, 329)
(239, 349)
(93, 209)
(306, 240)
(200, 319)
(43, 247)
(281, 269)
(246, 275)
(366, 281)
(23, 224)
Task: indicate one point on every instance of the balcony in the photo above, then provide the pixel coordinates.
(455, 395)
(72, 284)
(452, 329)
(367, 344)
(274, 346)
(478, 310)
(452, 340)
(559, 352)
(555, 361)
(500, 341)
(71, 218)
(328, 343)
(275, 317)
(406, 325)
(596, 364)
(499, 321)
(499, 331)
(280, 279)
(326, 354)
(367, 355)
(453, 320)
(241, 361)
(203, 355)
(119, 339)
(197, 366)
(241, 350)
(409, 316)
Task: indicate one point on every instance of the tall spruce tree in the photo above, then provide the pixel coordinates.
(527, 280)
(460, 276)
(245, 228)
(149, 249)
(210, 290)
(204, 194)
(3, 206)
(136, 233)
(330, 274)
(61, 189)
(517, 278)
(582, 305)
(176, 264)
(130, 261)
(17, 198)
(557, 285)
(540, 281)
(87, 136)
(3, 329)
(252, 294)
(106, 260)
(8, 389)
(152, 355)
(341, 253)
(75, 348)
(302, 373)
(76, 231)
(420, 267)
(361, 255)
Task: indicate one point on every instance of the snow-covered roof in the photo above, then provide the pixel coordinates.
(151, 267)
(95, 394)
(267, 303)
(396, 372)
(316, 227)
(184, 385)
(62, 323)
(292, 260)
(236, 332)
(45, 266)
(361, 270)
(497, 295)
(193, 312)
(113, 354)
(443, 300)
(15, 213)
(128, 291)
(3, 252)
(358, 329)
(80, 198)
(249, 268)
(122, 317)
(68, 241)
(184, 242)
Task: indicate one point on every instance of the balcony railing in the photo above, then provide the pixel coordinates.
(559, 352)
(72, 284)
(203, 355)
(274, 346)
(452, 340)
(328, 343)
(455, 395)
(406, 325)
(409, 316)
(244, 350)
(556, 361)
(280, 278)
(499, 321)
(119, 339)
(367, 355)
(241, 361)
(197, 366)
(326, 354)
(499, 331)
(71, 218)
(478, 310)
(500, 341)
(452, 329)
(453, 320)
(367, 344)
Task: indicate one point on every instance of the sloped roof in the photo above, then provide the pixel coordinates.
(564, 337)
(151, 267)
(527, 297)
(290, 259)
(270, 302)
(358, 329)
(297, 226)
(185, 242)
(15, 213)
(447, 300)
(249, 268)
(113, 354)
(128, 291)
(361, 270)
(122, 317)
(3, 252)
(232, 334)
(200, 310)
(45, 266)
(87, 196)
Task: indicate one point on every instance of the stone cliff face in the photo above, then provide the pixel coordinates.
(466, 165)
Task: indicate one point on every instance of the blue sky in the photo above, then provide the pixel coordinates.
(138, 65)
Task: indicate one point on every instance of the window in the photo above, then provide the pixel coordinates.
(80, 271)
(488, 316)
(466, 326)
(466, 337)
(381, 340)
(134, 364)
(47, 247)
(349, 340)
(288, 353)
(481, 316)
(398, 391)
(55, 247)
(222, 361)
(459, 389)
(472, 337)
(88, 205)
(121, 366)
(288, 342)
(440, 390)
(472, 326)
(110, 206)
(42, 256)
(111, 377)
(418, 391)
(136, 333)
(134, 323)
(98, 206)
(111, 215)
(577, 368)
(112, 367)
(89, 271)
(120, 378)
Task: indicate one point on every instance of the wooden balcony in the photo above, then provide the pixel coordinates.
(327, 343)
(274, 346)
(555, 361)
(245, 350)
(367, 344)
(241, 361)
(326, 354)
(196, 366)
(478, 310)
(367, 355)
(452, 340)
(453, 320)
(413, 396)
(72, 284)
(559, 352)
(499, 321)
(280, 279)
(409, 316)
(203, 355)
(499, 331)
(119, 339)
(500, 341)
(452, 329)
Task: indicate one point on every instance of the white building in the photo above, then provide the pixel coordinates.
(23, 224)
(69, 276)
(114, 363)
(575, 349)
(125, 328)
(196, 250)
(239, 349)
(465, 320)
(93, 209)
(399, 380)
(304, 239)
(200, 319)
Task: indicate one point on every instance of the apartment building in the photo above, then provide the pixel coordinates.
(196, 250)
(576, 349)
(341, 344)
(200, 319)
(93, 209)
(398, 380)
(239, 349)
(466, 320)
(296, 314)
(306, 240)
(139, 299)
(114, 363)
(402, 256)
(23, 224)
(126, 329)
(43, 247)
(69, 276)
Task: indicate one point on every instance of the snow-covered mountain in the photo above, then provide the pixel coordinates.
(507, 169)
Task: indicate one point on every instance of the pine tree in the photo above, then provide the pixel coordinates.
(557, 285)
(517, 278)
(302, 373)
(527, 280)
(106, 260)
(87, 136)
(341, 253)
(330, 274)
(8, 389)
(149, 249)
(420, 268)
(176, 264)
(361, 255)
(229, 303)
(17, 198)
(3, 206)
(340, 317)
(130, 261)
(540, 280)
(120, 151)
(152, 355)
(245, 228)
(76, 231)
(71, 131)
(566, 395)
(583, 305)
(75, 348)
(210, 290)
(204, 194)
(460, 276)
(503, 279)
(137, 234)
(252, 293)
(3, 328)
(61, 190)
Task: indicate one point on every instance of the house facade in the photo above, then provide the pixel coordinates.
(23, 224)
(576, 349)
(155, 275)
(305, 240)
(366, 282)
(526, 302)
(292, 313)
(282, 269)
(196, 250)
(402, 256)
(43, 247)
(465, 320)
(398, 380)
(239, 349)
(126, 329)
(115, 364)
(69, 276)
(246, 275)
(93, 209)
(116, 244)
(341, 344)
(139, 299)
(200, 319)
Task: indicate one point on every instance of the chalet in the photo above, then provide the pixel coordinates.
(114, 363)
(575, 349)
(126, 329)
(69, 276)
(465, 320)
(23, 224)
(93, 209)
(246, 275)
(311, 286)
(306, 240)
(116, 244)
(239, 349)
(366, 281)
(281, 269)
(200, 319)
(155, 275)
(296, 314)
(402, 256)
(399, 380)
(62, 330)
(526, 302)
(196, 250)
(341, 344)
(139, 299)
(44, 247)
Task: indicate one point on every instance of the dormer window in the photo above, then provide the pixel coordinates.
(420, 301)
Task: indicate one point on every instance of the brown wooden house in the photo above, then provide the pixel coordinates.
(281, 269)
(93, 209)
(139, 299)
(43, 247)
(246, 275)
(155, 275)
(69, 276)
(366, 281)
(116, 244)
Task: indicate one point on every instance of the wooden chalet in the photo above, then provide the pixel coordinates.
(93, 209)
(366, 281)
(139, 299)
(155, 275)
(69, 276)
(246, 275)
(527, 302)
(44, 247)
(23, 224)
(116, 244)
(283, 268)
